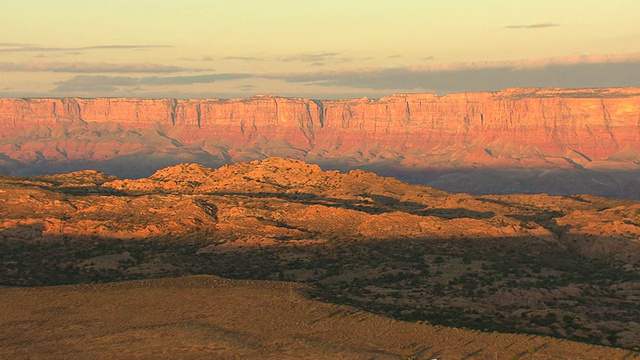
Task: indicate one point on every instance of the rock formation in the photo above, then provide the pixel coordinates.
(587, 130)
(567, 267)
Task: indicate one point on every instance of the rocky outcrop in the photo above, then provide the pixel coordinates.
(573, 129)
(562, 266)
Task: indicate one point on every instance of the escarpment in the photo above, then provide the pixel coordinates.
(514, 128)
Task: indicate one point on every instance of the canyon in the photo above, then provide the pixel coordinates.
(556, 141)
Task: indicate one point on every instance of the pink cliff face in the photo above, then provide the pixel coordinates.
(587, 128)
(596, 125)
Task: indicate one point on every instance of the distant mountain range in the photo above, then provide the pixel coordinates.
(557, 141)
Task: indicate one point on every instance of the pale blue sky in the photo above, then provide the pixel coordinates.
(323, 48)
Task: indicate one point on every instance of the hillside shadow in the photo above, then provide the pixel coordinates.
(370, 203)
(341, 270)
(380, 204)
(27, 248)
(54, 186)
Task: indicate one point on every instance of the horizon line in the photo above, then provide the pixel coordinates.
(364, 97)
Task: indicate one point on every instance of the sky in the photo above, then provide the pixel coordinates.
(321, 49)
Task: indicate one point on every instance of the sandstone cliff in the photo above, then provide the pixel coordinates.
(571, 129)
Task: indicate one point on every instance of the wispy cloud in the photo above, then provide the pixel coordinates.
(313, 58)
(37, 48)
(91, 83)
(84, 67)
(571, 71)
(595, 70)
(309, 57)
(532, 26)
(564, 60)
(13, 44)
(245, 58)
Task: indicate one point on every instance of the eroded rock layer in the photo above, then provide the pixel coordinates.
(574, 130)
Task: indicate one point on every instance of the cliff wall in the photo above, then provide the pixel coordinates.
(595, 123)
(591, 135)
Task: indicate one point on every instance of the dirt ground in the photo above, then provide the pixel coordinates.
(210, 317)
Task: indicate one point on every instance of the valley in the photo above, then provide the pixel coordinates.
(561, 266)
